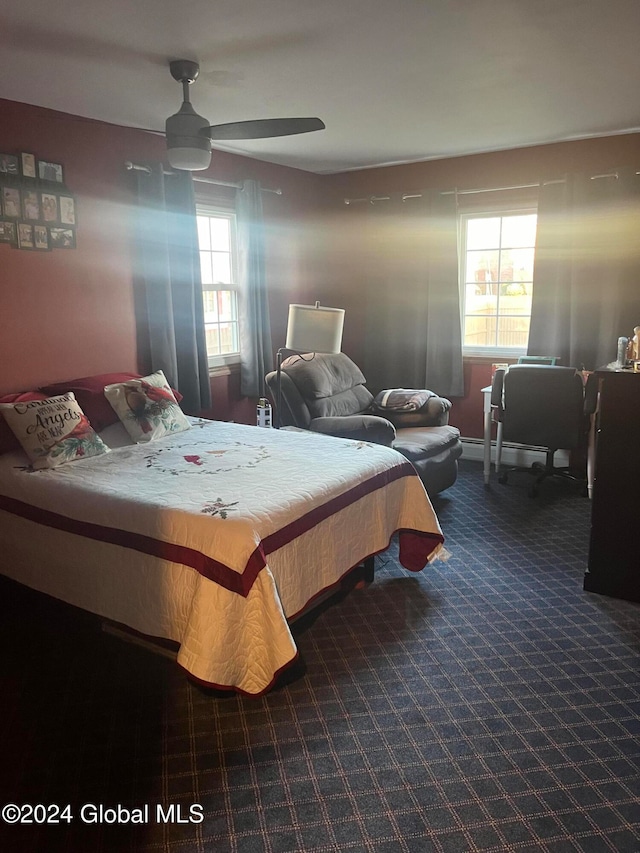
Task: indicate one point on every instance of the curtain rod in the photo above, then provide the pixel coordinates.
(129, 166)
(372, 199)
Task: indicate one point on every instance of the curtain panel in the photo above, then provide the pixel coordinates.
(256, 351)
(413, 335)
(586, 290)
(444, 326)
(167, 285)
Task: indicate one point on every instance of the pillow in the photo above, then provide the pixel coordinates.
(89, 392)
(53, 431)
(147, 407)
(8, 441)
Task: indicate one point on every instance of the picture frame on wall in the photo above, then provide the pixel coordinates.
(9, 165)
(51, 172)
(11, 202)
(49, 207)
(8, 232)
(67, 210)
(30, 205)
(28, 165)
(41, 238)
(62, 238)
(25, 236)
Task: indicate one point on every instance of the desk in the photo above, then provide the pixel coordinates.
(487, 434)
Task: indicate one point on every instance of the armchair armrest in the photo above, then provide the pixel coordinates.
(435, 412)
(496, 392)
(358, 427)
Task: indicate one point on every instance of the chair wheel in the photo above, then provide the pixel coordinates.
(502, 479)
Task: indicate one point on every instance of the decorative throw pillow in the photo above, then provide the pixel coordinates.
(53, 431)
(8, 441)
(147, 407)
(89, 392)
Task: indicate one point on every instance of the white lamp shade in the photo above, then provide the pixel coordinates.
(314, 328)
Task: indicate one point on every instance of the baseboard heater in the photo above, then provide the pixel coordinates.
(512, 454)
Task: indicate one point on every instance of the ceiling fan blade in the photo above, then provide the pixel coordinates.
(263, 128)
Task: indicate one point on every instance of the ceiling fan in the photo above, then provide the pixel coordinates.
(189, 135)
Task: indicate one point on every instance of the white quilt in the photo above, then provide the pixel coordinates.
(212, 537)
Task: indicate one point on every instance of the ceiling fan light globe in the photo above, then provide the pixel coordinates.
(189, 158)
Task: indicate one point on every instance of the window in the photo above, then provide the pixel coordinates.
(497, 281)
(216, 237)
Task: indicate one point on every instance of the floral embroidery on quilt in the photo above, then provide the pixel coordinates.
(207, 461)
(218, 507)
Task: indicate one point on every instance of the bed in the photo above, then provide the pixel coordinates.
(215, 537)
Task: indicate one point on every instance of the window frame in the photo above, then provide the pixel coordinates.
(481, 212)
(219, 361)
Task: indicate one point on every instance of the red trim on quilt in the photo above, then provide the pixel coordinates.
(213, 569)
(412, 548)
(232, 689)
(420, 562)
(301, 525)
(204, 565)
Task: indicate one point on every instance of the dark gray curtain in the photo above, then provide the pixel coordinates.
(586, 290)
(253, 307)
(443, 329)
(168, 289)
(412, 305)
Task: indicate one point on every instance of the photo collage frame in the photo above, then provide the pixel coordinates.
(37, 211)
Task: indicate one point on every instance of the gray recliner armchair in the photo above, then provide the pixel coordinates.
(326, 393)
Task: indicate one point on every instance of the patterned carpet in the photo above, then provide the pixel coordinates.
(485, 704)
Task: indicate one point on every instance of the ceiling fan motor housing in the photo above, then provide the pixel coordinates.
(186, 127)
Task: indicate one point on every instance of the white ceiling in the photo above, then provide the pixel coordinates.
(394, 80)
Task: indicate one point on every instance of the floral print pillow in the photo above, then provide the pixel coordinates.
(53, 431)
(147, 407)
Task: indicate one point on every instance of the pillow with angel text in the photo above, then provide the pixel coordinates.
(53, 431)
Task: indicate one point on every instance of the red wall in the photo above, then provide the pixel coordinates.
(497, 169)
(68, 313)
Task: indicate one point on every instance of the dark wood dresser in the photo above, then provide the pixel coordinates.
(614, 547)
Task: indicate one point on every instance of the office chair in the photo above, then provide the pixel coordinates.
(540, 406)
(538, 359)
